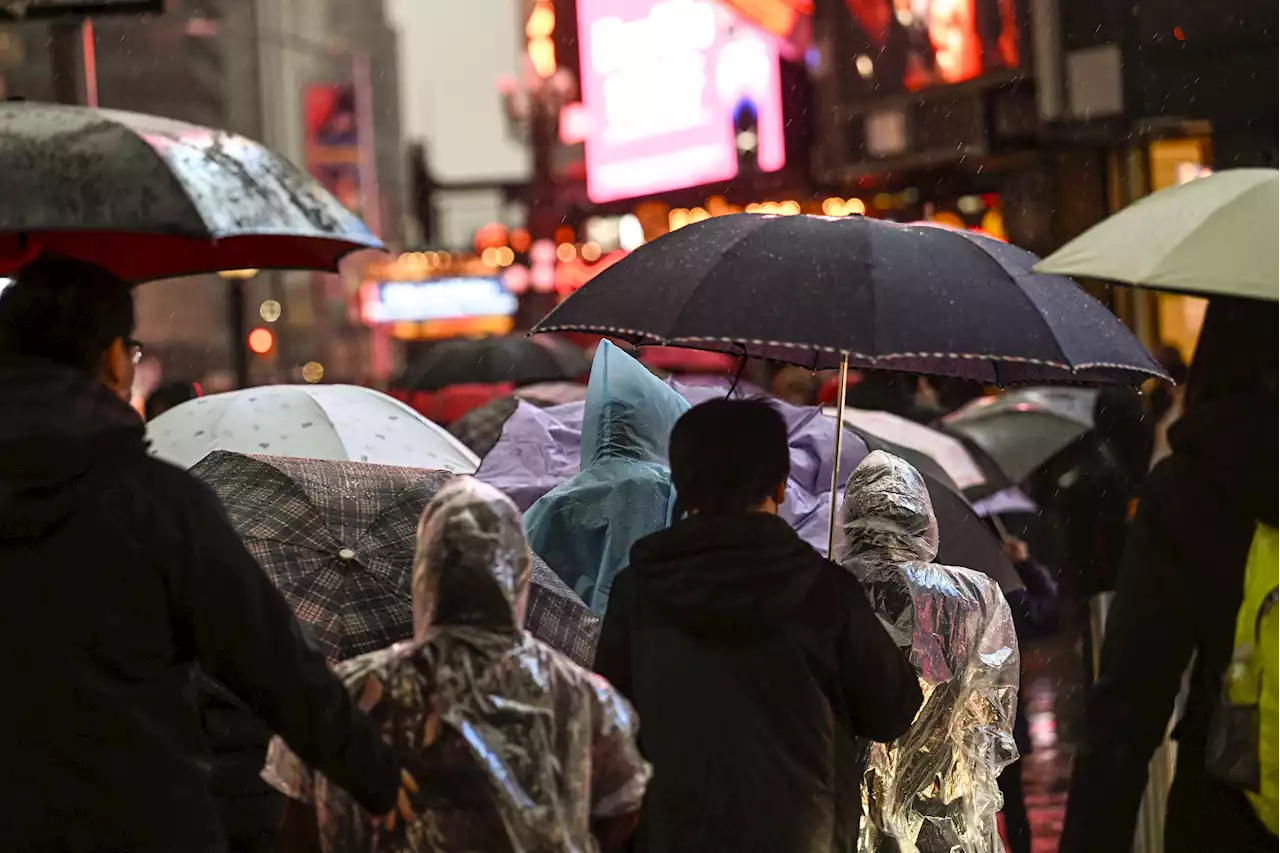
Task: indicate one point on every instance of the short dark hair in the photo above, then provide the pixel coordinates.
(64, 310)
(728, 456)
(169, 395)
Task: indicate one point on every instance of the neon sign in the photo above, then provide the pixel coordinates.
(437, 299)
(677, 93)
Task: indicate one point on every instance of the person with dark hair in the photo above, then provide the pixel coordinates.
(120, 573)
(168, 395)
(1202, 513)
(754, 662)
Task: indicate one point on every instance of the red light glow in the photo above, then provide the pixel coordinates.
(261, 341)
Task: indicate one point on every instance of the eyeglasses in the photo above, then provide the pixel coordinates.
(135, 349)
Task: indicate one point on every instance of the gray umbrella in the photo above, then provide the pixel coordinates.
(1021, 430)
(148, 197)
(337, 539)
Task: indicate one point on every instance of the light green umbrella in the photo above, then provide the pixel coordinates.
(1214, 235)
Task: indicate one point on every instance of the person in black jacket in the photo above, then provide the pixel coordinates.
(754, 662)
(1181, 584)
(120, 571)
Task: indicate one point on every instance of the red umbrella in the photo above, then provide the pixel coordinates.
(148, 197)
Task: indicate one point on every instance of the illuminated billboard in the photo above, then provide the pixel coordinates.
(915, 44)
(436, 299)
(676, 94)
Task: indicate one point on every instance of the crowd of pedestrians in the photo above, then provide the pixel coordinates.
(749, 694)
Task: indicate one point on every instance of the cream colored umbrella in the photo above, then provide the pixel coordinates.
(1214, 235)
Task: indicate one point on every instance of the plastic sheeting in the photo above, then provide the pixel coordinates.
(504, 744)
(934, 789)
(584, 528)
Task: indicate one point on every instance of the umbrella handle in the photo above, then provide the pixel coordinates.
(835, 467)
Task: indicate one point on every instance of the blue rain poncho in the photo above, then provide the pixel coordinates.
(584, 528)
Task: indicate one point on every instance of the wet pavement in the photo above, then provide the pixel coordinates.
(1053, 681)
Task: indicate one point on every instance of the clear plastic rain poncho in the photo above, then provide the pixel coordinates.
(934, 789)
(504, 744)
(584, 528)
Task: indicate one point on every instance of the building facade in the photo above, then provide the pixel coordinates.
(247, 66)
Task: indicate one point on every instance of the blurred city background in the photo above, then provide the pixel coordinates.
(507, 151)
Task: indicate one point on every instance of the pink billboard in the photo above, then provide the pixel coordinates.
(677, 93)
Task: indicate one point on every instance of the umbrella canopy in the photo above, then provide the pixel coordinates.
(1010, 501)
(1214, 235)
(334, 422)
(809, 289)
(338, 539)
(945, 451)
(500, 359)
(149, 197)
(1023, 429)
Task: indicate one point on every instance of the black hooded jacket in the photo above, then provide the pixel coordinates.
(119, 572)
(754, 664)
(1180, 587)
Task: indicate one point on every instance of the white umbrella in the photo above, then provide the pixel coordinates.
(1214, 235)
(948, 451)
(335, 422)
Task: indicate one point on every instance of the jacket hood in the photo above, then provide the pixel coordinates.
(60, 425)
(1232, 442)
(472, 564)
(629, 412)
(739, 571)
(887, 514)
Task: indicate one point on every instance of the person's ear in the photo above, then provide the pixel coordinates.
(116, 369)
(780, 493)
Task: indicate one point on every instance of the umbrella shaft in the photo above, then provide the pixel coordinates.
(835, 465)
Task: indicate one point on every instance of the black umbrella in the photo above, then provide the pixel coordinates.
(504, 359)
(829, 292)
(149, 197)
(811, 289)
(337, 539)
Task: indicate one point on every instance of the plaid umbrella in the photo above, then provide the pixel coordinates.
(559, 618)
(337, 539)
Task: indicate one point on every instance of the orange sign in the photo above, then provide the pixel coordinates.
(778, 17)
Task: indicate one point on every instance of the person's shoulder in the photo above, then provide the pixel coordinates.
(836, 594)
(170, 482)
(372, 676)
(382, 664)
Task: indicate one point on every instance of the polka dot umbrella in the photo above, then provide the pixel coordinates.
(335, 422)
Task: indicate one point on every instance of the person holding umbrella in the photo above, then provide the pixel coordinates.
(754, 662)
(1178, 599)
(120, 573)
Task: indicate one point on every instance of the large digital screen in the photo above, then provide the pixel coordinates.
(677, 94)
(915, 44)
